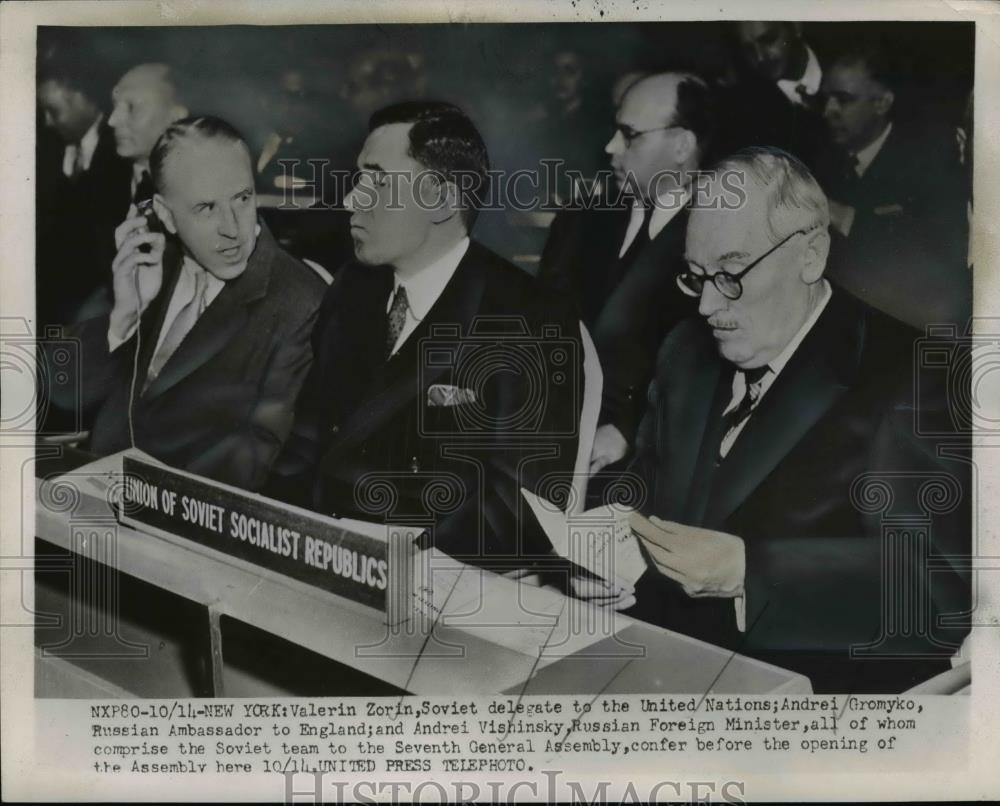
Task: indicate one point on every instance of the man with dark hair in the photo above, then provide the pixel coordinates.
(775, 100)
(443, 374)
(82, 194)
(207, 343)
(897, 198)
(619, 264)
(779, 417)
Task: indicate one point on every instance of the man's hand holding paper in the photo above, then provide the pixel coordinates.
(704, 562)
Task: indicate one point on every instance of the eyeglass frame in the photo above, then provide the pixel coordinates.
(737, 278)
(636, 134)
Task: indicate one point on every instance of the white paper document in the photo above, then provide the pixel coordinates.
(598, 540)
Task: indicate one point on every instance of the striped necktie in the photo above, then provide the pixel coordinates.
(743, 409)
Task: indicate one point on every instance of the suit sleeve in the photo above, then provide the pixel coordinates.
(887, 584)
(93, 375)
(292, 473)
(554, 268)
(538, 455)
(247, 455)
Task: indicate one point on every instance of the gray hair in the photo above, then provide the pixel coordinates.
(794, 198)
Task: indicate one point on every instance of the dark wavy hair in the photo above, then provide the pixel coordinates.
(444, 139)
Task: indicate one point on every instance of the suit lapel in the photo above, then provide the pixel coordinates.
(353, 335)
(221, 320)
(399, 381)
(814, 379)
(690, 426)
(152, 320)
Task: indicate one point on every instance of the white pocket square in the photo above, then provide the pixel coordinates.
(443, 394)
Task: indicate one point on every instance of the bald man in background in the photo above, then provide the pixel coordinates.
(618, 260)
(143, 103)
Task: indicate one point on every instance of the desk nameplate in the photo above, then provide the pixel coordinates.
(371, 569)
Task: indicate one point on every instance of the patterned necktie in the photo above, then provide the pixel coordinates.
(396, 319)
(751, 394)
(180, 327)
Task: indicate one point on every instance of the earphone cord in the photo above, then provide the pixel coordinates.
(135, 357)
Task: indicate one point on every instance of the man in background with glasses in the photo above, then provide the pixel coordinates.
(619, 261)
(765, 411)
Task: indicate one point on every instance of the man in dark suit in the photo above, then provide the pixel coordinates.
(775, 425)
(207, 344)
(618, 263)
(445, 378)
(82, 195)
(144, 101)
(776, 99)
(897, 199)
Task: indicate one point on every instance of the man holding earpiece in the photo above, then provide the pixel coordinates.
(203, 353)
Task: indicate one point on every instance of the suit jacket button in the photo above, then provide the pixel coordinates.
(414, 465)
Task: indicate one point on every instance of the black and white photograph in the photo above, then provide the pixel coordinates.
(466, 399)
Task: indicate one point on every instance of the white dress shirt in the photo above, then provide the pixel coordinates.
(810, 80)
(775, 365)
(82, 153)
(866, 156)
(424, 288)
(666, 207)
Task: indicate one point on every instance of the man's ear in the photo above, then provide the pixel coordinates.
(447, 203)
(164, 214)
(885, 102)
(686, 146)
(816, 252)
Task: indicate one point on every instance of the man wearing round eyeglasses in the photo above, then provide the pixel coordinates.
(766, 413)
(620, 264)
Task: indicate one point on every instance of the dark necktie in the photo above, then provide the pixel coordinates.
(639, 243)
(144, 189)
(396, 319)
(751, 394)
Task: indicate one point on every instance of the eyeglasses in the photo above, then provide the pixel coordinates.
(729, 285)
(629, 134)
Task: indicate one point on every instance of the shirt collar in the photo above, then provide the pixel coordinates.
(190, 269)
(810, 80)
(424, 287)
(866, 156)
(667, 206)
(88, 143)
(777, 363)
